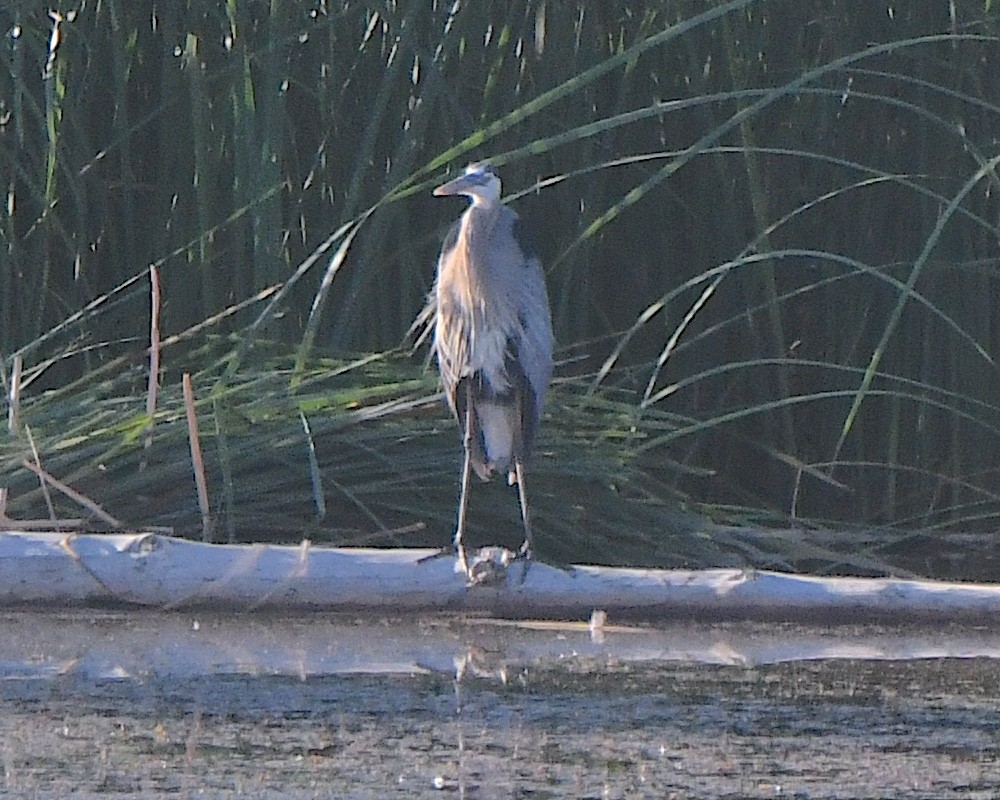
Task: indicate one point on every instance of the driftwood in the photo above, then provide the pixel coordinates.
(153, 570)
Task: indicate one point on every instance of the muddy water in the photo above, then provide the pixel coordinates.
(184, 705)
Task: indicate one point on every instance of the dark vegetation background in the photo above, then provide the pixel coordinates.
(771, 233)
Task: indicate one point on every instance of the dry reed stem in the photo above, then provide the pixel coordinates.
(42, 525)
(73, 495)
(38, 461)
(9, 524)
(197, 462)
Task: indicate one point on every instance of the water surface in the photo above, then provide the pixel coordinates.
(98, 704)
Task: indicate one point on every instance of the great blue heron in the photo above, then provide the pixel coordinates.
(492, 337)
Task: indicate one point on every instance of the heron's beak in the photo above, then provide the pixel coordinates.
(456, 186)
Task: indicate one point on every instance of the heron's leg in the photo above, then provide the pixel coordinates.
(526, 547)
(463, 500)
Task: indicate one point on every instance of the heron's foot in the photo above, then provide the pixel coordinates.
(488, 566)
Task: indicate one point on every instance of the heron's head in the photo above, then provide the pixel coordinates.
(479, 183)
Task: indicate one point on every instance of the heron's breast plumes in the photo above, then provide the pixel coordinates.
(477, 312)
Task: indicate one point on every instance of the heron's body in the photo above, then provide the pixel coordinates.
(492, 335)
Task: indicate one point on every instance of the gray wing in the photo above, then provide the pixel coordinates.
(531, 341)
(534, 351)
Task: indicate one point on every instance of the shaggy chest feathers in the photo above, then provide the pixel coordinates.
(483, 335)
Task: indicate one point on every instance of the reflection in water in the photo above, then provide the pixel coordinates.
(94, 645)
(153, 705)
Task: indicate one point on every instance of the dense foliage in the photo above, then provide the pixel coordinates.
(771, 226)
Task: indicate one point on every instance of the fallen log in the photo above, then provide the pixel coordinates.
(146, 569)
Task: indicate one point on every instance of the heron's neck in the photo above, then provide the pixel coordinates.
(476, 239)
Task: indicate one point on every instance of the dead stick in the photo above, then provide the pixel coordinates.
(73, 495)
(7, 524)
(38, 461)
(197, 462)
